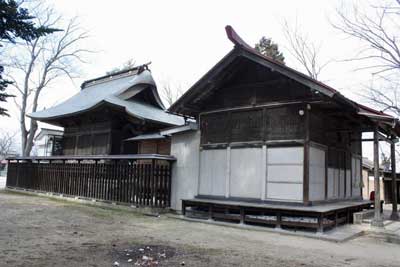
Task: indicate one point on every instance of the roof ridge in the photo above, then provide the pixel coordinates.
(116, 75)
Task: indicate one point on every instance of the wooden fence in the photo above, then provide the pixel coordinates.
(142, 180)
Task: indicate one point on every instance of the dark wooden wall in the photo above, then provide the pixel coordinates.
(338, 133)
(258, 124)
(162, 147)
(102, 132)
(251, 84)
(89, 138)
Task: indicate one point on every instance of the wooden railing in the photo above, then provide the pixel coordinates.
(141, 180)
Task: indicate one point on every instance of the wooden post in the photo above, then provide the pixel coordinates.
(394, 215)
(326, 172)
(210, 212)
(336, 218)
(183, 207)
(320, 220)
(306, 160)
(242, 215)
(264, 173)
(377, 221)
(228, 172)
(278, 220)
(152, 183)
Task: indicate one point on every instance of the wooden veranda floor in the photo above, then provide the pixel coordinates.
(318, 217)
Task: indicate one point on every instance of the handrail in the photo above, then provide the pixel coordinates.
(99, 157)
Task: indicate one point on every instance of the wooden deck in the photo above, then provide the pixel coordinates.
(317, 217)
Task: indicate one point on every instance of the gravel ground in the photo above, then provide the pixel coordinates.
(37, 231)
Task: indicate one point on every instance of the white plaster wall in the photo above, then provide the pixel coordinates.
(317, 174)
(246, 172)
(185, 171)
(285, 173)
(213, 164)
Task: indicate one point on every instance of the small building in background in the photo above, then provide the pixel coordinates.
(368, 177)
(387, 187)
(48, 142)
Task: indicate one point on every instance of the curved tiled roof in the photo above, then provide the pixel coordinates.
(118, 91)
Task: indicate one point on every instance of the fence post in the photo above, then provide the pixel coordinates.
(152, 182)
(169, 183)
(17, 176)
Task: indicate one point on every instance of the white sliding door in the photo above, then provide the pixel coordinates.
(285, 173)
(212, 172)
(317, 174)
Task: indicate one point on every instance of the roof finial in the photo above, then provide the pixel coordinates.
(235, 38)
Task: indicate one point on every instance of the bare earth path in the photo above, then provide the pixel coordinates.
(36, 231)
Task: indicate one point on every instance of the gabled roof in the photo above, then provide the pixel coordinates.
(122, 90)
(151, 136)
(242, 49)
(164, 133)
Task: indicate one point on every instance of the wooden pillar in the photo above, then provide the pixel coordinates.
(278, 220)
(394, 215)
(228, 172)
(306, 160)
(264, 173)
(210, 212)
(242, 215)
(336, 218)
(183, 207)
(377, 221)
(320, 220)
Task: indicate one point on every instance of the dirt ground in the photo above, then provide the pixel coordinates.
(2, 182)
(37, 231)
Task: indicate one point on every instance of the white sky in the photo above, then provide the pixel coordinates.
(184, 39)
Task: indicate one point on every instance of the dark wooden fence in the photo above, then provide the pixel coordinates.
(142, 180)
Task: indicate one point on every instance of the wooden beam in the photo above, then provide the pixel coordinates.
(252, 107)
(394, 215)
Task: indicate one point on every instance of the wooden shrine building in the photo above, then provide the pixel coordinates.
(97, 159)
(107, 111)
(273, 136)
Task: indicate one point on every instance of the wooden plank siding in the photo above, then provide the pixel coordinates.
(162, 147)
(257, 124)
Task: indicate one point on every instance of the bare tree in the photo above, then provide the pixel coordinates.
(384, 95)
(7, 144)
(37, 63)
(171, 93)
(305, 51)
(377, 28)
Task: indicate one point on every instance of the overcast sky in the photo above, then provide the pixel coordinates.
(184, 39)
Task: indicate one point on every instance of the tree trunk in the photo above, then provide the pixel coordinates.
(30, 138)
